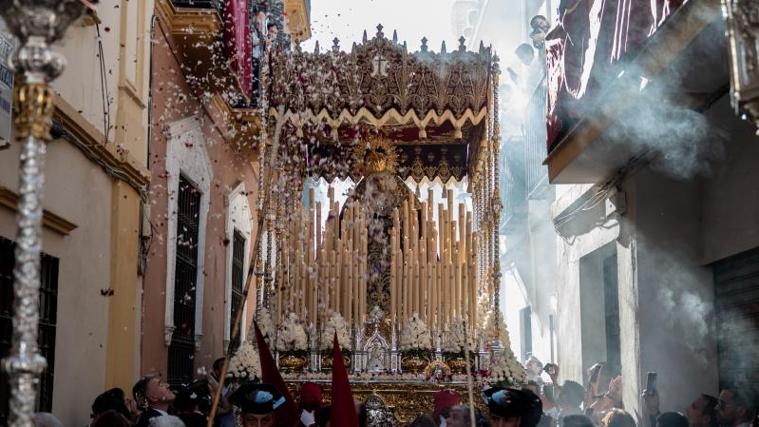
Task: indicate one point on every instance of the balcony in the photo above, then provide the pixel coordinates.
(215, 56)
(298, 14)
(595, 99)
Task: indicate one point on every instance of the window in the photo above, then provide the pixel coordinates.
(599, 309)
(182, 347)
(47, 322)
(525, 316)
(238, 279)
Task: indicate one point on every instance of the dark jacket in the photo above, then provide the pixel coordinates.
(146, 416)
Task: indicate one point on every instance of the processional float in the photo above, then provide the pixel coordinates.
(408, 281)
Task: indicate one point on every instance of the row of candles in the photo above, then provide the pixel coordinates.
(324, 271)
(432, 267)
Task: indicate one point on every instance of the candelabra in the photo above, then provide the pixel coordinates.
(743, 33)
(36, 24)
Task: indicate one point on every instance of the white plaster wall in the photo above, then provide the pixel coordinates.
(81, 193)
(656, 242)
(513, 299)
(731, 196)
(569, 322)
(675, 292)
(80, 84)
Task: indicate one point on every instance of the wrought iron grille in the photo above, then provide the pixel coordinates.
(47, 322)
(200, 4)
(536, 136)
(238, 277)
(182, 348)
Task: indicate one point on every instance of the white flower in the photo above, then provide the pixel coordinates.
(265, 322)
(456, 338)
(335, 324)
(505, 367)
(291, 334)
(415, 335)
(245, 364)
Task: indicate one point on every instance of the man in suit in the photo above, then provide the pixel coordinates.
(153, 396)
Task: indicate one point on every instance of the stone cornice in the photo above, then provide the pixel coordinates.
(117, 163)
(60, 225)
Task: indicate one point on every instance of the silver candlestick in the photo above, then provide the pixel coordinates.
(742, 37)
(36, 24)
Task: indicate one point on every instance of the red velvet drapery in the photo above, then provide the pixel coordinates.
(237, 49)
(591, 37)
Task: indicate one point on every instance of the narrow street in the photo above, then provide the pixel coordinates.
(437, 213)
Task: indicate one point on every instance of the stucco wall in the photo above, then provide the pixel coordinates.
(675, 291)
(80, 192)
(569, 319)
(731, 196)
(125, 36)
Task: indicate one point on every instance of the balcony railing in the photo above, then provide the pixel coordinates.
(535, 140)
(602, 68)
(202, 4)
(579, 81)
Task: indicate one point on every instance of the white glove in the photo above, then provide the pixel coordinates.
(307, 418)
(443, 423)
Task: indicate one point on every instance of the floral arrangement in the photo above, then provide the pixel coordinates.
(335, 323)
(245, 365)
(265, 323)
(456, 338)
(291, 336)
(504, 368)
(437, 371)
(415, 335)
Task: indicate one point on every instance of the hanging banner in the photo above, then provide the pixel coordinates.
(237, 42)
(7, 46)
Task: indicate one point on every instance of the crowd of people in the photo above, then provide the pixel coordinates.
(538, 403)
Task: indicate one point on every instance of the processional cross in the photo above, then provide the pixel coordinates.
(379, 66)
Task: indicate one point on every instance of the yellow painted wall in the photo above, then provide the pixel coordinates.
(122, 360)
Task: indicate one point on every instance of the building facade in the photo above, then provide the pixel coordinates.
(96, 177)
(203, 191)
(150, 197)
(629, 226)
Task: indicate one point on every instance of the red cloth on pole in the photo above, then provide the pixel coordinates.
(237, 48)
(343, 411)
(286, 415)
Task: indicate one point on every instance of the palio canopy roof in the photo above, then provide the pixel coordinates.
(435, 108)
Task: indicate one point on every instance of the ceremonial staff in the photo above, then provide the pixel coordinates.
(36, 24)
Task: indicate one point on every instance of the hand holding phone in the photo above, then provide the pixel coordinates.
(651, 384)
